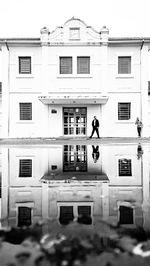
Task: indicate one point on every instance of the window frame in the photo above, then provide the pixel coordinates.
(64, 74)
(25, 120)
(29, 204)
(122, 73)
(89, 65)
(25, 159)
(19, 65)
(75, 206)
(130, 161)
(78, 33)
(124, 54)
(124, 120)
(129, 205)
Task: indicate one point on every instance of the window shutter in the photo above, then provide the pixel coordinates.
(25, 168)
(124, 65)
(65, 65)
(83, 65)
(124, 110)
(25, 111)
(24, 65)
(125, 167)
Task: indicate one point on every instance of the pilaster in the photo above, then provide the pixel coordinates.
(44, 46)
(144, 90)
(5, 91)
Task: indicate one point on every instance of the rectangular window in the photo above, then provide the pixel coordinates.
(125, 167)
(148, 87)
(126, 215)
(65, 65)
(124, 65)
(24, 216)
(25, 168)
(25, 65)
(124, 111)
(74, 33)
(83, 65)
(25, 111)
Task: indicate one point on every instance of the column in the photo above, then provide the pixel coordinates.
(104, 57)
(44, 107)
(5, 91)
(146, 188)
(5, 186)
(144, 90)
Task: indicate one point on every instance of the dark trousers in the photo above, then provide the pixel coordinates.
(139, 131)
(97, 132)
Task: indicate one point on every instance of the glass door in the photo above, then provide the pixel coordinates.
(75, 121)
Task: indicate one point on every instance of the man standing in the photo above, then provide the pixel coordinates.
(95, 125)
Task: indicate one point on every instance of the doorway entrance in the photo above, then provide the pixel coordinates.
(75, 121)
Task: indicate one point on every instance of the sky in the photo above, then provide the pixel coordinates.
(123, 18)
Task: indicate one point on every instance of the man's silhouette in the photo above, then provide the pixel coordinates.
(95, 153)
(95, 125)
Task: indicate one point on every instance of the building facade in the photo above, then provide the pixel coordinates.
(52, 86)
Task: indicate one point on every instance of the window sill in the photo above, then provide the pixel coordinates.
(74, 76)
(125, 76)
(24, 76)
(124, 122)
(25, 122)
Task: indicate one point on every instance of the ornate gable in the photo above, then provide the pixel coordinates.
(74, 31)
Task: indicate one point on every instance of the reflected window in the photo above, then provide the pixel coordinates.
(0, 184)
(125, 167)
(84, 215)
(75, 158)
(24, 216)
(25, 168)
(66, 215)
(126, 215)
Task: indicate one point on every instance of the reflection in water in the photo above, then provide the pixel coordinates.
(139, 151)
(75, 183)
(95, 153)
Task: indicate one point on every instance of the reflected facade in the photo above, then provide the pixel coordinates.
(65, 183)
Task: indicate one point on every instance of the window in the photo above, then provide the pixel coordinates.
(25, 65)
(124, 65)
(74, 33)
(24, 216)
(126, 215)
(124, 111)
(83, 65)
(66, 214)
(148, 87)
(82, 213)
(25, 168)
(25, 111)
(125, 167)
(65, 65)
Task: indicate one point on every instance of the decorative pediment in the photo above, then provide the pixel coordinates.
(74, 31)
